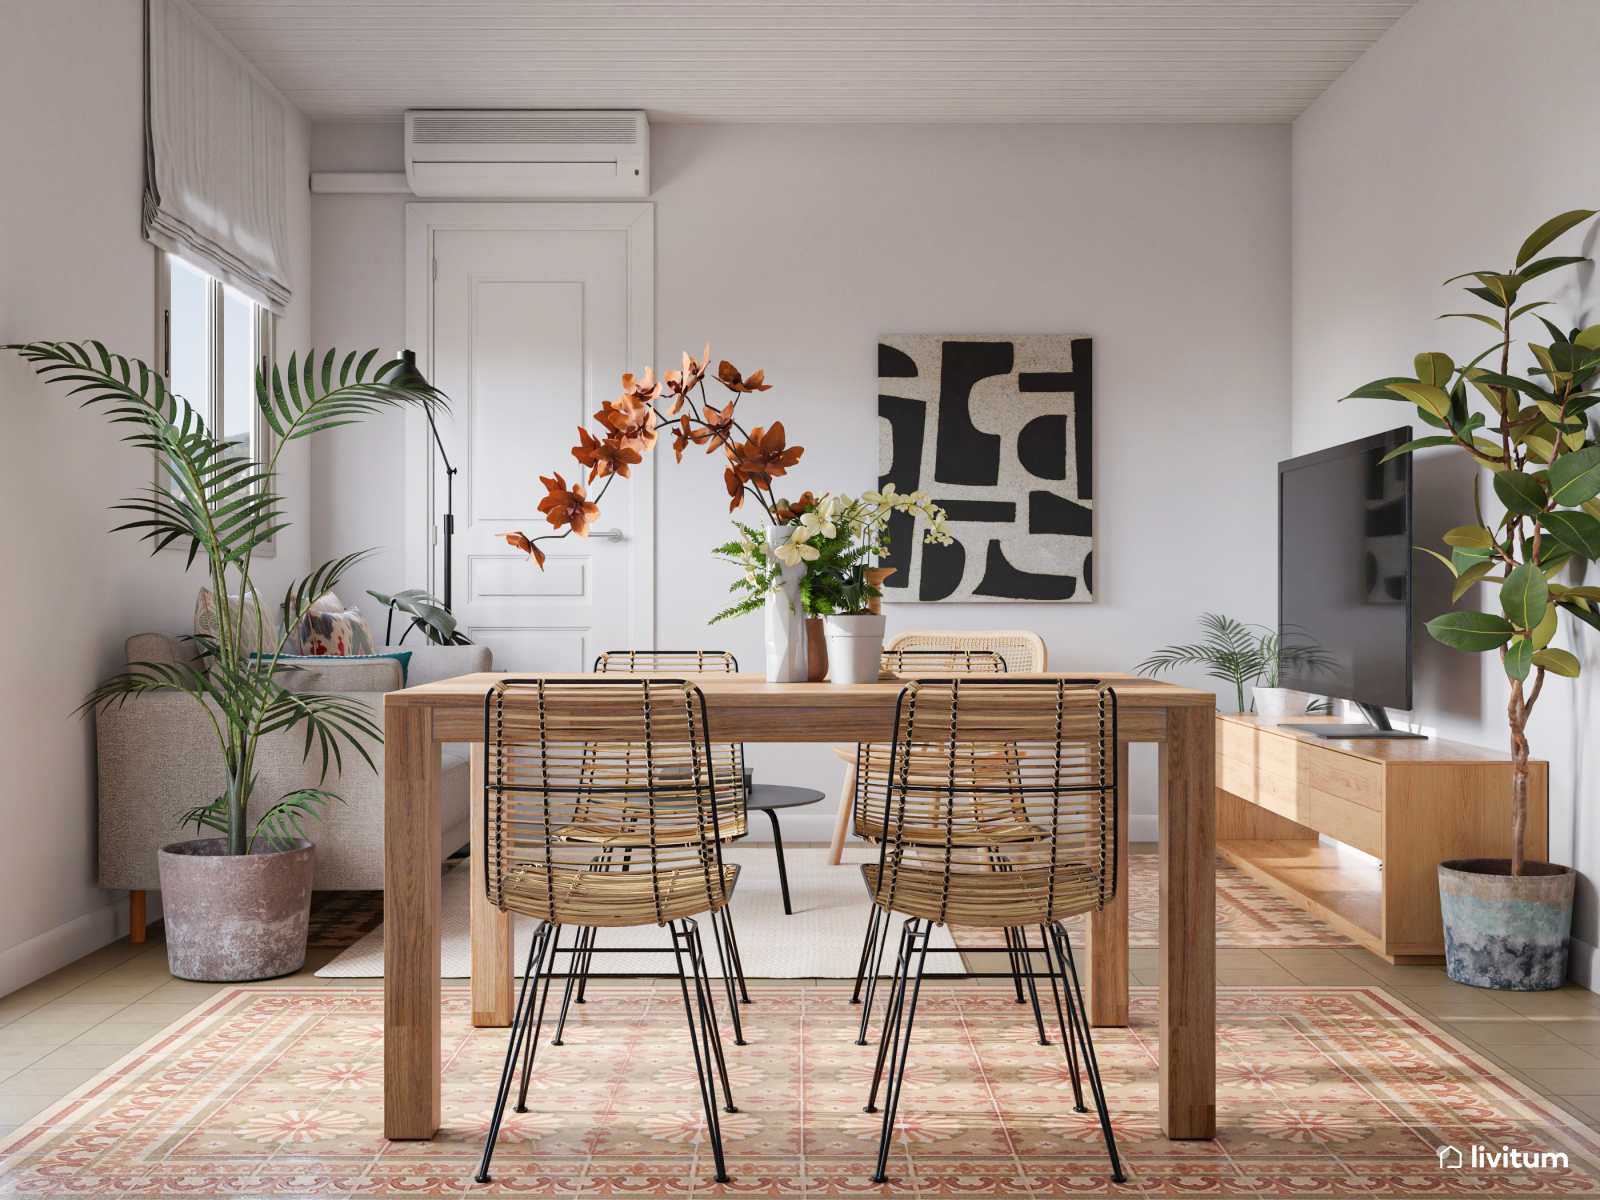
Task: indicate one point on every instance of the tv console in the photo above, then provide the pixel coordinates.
(1411, 804)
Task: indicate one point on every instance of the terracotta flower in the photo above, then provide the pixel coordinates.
(735, 479)
(718, 430)
(764, 457)
(568, 506)
(682, 435)
(728, 375)
(644, 390)
(787, 512)
(681, 383)
(522, 542)
(633, 420)
(610, 456)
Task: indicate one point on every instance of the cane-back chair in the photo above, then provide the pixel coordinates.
(628, 762)
(998, 811)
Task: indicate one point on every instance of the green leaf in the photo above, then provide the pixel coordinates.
(1454, 568)
(1438, 439)
(1545, 630)
(1523, 596)
(1378, 389)
(1425, 396)
(1550, 231)
(1434, 369)
(1521, 494)
(1577, 531)
(1472, 537)
(1469, 577)
(1474, 632)
(1575, 477)
(1557, 662)
(1487, 320)
(1519, 657)
(1534, 269)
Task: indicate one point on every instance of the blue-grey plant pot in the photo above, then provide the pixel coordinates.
(1506, 931)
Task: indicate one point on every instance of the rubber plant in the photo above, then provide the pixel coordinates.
(1532, 432)
(220, 505)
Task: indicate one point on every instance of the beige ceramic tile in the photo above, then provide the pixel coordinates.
(1510, 1030)
(54, 1082)
(1565, 1081)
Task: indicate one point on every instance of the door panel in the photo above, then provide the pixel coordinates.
(531, 333)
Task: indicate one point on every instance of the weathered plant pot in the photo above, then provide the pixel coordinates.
(231, 918)
(1273, 703)
(855, 647)
(1506, 931)
(816, 651)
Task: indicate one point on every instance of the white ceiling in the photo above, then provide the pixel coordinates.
(780, 60)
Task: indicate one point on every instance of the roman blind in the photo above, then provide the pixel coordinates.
(214, 187)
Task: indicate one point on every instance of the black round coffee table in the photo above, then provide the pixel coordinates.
(769, 797)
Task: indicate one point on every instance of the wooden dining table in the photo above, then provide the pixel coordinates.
(746, 708)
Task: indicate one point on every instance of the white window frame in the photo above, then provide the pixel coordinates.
(264, 348)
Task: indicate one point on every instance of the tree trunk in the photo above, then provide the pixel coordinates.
(1518, 713)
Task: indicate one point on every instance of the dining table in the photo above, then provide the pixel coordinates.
(744, 707)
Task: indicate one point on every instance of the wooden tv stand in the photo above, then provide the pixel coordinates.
(1410, 804)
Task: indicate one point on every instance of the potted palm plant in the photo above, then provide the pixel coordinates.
(236, 904)
(1243, 654)
(1506, 920)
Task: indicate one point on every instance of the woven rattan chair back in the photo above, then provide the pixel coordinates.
(727, 758)
(601, 802)
(999, 806)
(1022, 649)
(908, 662)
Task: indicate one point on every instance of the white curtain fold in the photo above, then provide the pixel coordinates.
(214, 192)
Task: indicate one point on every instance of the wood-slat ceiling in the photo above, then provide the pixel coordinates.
(778, 60)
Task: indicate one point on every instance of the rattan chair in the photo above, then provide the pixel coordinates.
(628, 762)
(965, 843)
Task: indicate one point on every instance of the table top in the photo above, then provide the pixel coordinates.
(782, 795)
(1378, 750)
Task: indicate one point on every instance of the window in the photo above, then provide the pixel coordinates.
(213, 340)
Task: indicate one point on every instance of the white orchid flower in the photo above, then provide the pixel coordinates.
(792, 554)
(813, 523)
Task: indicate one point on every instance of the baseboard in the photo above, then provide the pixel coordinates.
(1581, 958)
(55, 948)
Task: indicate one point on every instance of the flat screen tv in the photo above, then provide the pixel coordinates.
(1344, 579)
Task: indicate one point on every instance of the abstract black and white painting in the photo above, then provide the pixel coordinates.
(999, 432)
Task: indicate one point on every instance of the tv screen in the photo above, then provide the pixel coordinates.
(1344, 571)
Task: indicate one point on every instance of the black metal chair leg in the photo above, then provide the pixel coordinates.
(733, 949)
(1078, 1016)
(891, 1014)
(681, 946)
(1016, 967)
(583, 975)
(1026, 957)
(708, 1016)
(538, 1017)
(897, 1072)
(519, 1026)
(577, 975)
(783, 871)
(1068, 1044)
(725, 957)
(874, 969)
(866, 954)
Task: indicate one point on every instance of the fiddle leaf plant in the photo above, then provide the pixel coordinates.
(1533, 433)
(219, 504)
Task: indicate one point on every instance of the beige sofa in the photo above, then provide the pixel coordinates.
(158, 758)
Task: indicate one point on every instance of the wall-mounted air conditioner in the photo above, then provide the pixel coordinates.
(527, 154)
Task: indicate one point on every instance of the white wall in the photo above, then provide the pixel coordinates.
(1442, 148)
(792, 247)
(73, 265)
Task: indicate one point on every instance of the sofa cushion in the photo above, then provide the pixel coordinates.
(430, 663)
(342, 673)
(252, 626)
(158, 648)
(331, 628)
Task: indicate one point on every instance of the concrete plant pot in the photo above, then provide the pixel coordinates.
(855, 647)
(1506, 931)
(230, 918)
(1273, 703)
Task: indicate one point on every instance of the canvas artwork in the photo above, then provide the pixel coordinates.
(999, 432)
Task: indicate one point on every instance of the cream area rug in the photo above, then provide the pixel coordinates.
(820, 940)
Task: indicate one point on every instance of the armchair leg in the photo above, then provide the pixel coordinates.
(136, 916)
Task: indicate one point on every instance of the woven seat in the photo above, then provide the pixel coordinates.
(607, 898)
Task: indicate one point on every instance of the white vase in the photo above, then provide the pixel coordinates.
(786, 626)
(1274, 703)
(855, 647)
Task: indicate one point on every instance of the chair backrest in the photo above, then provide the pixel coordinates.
(682, 661)
(1012, 781)
(629, 760)
(1022, 649)
(942, 662)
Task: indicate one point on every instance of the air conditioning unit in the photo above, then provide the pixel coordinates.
(527, 154)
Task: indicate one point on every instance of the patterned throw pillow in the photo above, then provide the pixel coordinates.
(251, 626)
(331, 628)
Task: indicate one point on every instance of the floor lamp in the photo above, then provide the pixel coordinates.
(409, 377)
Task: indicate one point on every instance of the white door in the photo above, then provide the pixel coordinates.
(532, 329)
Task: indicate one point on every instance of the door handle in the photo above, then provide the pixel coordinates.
(610, 535)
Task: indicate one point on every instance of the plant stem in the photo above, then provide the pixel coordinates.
(1517, 711)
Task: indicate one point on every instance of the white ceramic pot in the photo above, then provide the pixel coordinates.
(855, 647)
(786, 625)
(1280, 702)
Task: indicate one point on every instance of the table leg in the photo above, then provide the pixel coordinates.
(1188, 1073)
(491, 928)
(1106, 937)
(783, 871)
(841, 823)
(412, 786)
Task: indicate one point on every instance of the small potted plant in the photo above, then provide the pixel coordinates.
(1507, 920)
(834, 537)
(1235, 652)
(236, 905)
